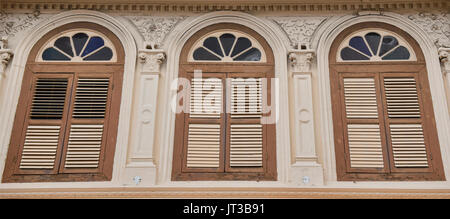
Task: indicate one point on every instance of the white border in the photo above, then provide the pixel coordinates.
(322, 41)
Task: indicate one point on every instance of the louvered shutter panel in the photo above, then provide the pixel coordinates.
(44, 126)
(364, 135)
(85, 138)
(246, 133)
(407, 140)
(204, 125)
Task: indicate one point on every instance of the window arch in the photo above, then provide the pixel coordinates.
(223, 133)
(383, 119)
(66, 121)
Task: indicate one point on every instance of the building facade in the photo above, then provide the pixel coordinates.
(225, 99)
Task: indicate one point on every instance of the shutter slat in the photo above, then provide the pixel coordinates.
(84, 146)
(246, 145)
(401, 97)
(246, 98)
(91, 98)
(206, 98)
(360, 98)
(49, 98)
(203, 147)
(408, 148)
(365, 146)
(35, 153)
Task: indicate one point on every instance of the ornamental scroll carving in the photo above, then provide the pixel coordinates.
(436, 25)
(299, 29)
(154, 29)
(12, 24)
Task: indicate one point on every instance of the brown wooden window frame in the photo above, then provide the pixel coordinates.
(113, 71)
(378, 71)
(180, 171)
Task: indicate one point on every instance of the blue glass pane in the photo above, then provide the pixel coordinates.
(401, 53)
(350, 54)
(79, 40)
(212, 43)
(93, 44)
(359, 44)
(241, 45)
(203, 54)
(388, 43)
(373, 39)
(227, 41)
(64, 45)
(103, 54)
(51, 54)
(251, 55)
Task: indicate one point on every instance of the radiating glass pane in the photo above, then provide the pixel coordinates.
(203, 54)
(241, 45)
(79, 40)
(401, 53)
(373, 39)
(93, 44)
(359, 44)
(350, 54)
(227, 41)
(103, 54)
(251, 55)
(64, 45)
(52, 54)
(388, 43)
(212, 43)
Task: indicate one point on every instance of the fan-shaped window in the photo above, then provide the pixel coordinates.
(78, 46)
(227, 46)
(375, 45)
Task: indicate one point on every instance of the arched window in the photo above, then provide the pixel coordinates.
(383, 117)
(223, 133)
(66, 120)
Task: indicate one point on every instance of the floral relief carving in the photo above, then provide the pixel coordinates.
(299, 29)
(11, 24)
(436, 25)
(154, 29)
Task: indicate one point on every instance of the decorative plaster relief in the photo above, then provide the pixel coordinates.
(154, 29)
(151, 60)
(301, 61)
(436, 25)
(444, 57)
(299, 29)
(12, 24)
(5, 55)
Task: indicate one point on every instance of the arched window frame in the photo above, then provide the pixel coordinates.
(224, 70)
(378, 70)
(75, 73)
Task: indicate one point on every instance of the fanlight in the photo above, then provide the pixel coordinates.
(78, 47)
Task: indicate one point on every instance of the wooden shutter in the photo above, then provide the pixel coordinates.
(204, 125)
(86, 131)
(41, 141)
(365, 146)
(408, 143)
(384, 127)
(245, 142)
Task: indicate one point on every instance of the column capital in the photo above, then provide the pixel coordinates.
(444, 57)
(5, 54)
(301, 61)
(151, 60)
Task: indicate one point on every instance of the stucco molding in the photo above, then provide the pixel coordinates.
(444, 57)
(5, 55)
(154, 28)
(151, 60)
(435, 24)
(299, 29)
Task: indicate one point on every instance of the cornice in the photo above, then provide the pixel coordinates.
(235, 5)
